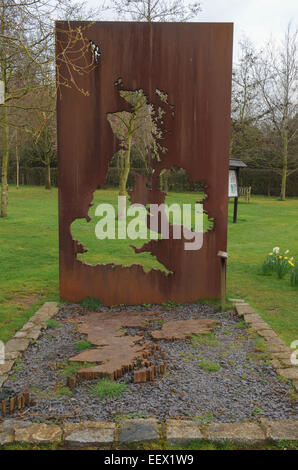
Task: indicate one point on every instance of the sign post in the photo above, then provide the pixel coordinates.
(233, 190)
(235, 165)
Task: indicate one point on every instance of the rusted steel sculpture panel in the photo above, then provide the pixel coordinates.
(192, 62)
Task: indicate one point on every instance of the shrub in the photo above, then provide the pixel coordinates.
(91, 304)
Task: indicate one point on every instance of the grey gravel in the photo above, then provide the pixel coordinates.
(239, 391)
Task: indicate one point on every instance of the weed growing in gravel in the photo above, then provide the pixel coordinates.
(226, 332)
(169, 304)
(260, 344)
(105, 388)
(283, 379)
(64, 391)
(241, 324)
(204, 419)
(185, 356)
(18, 365)
(90, 303)
(53, 324)
(257, 411)
(81, 345)
(257, 357)
(71, 368)
(209, 366)
(206, 339)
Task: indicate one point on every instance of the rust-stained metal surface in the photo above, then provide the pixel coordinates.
(192, 62)
(116, 352)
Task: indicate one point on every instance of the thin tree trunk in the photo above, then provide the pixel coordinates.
(48, 177)
(4, 168)
(123, 177)
(284, 167)
(18, 161)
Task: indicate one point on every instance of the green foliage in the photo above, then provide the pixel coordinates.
(81, 345)
(53, 323)
(209, 366)
(91, 304)
(257, 411)
(266, 182)
(69, 369)
(169, 304)
(106, 388)
(260, 344)
(277, 263)
(294, 276)
(64, 391)
(205, 339)
(241, 324)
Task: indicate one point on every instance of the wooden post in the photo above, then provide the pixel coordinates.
(223, 262)
(235, 210)
(236, 198)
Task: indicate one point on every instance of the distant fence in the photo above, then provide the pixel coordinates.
(175, 181)
(267, 182)
(262, 181)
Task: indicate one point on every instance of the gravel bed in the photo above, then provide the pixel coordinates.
(241, 389)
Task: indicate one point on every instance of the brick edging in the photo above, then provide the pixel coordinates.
(93, 433)
(280, 352)
(30, 331)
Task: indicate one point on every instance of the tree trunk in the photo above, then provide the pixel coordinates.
(285, 166)
(48, 177)
(125, 167)
(18, 162)
(4, 168)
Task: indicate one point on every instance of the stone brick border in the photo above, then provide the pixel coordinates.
(89, 433)
(92, 433)
(280, 352)
(21, 340)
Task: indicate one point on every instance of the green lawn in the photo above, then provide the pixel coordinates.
(29, 255)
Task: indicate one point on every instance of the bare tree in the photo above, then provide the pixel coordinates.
(27, 65)
(277, 74)
(156, 10)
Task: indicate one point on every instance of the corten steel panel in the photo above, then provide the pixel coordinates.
(192, 62)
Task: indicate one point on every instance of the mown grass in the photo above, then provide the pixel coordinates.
(29, 255)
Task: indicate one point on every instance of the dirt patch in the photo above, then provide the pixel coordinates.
(25, 303)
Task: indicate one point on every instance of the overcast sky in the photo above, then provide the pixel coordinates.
(257, 19)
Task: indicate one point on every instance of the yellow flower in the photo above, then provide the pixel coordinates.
(286, 257)
(280, 257)
(292, 264)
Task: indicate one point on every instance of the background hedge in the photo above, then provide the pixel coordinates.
(262, 181)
